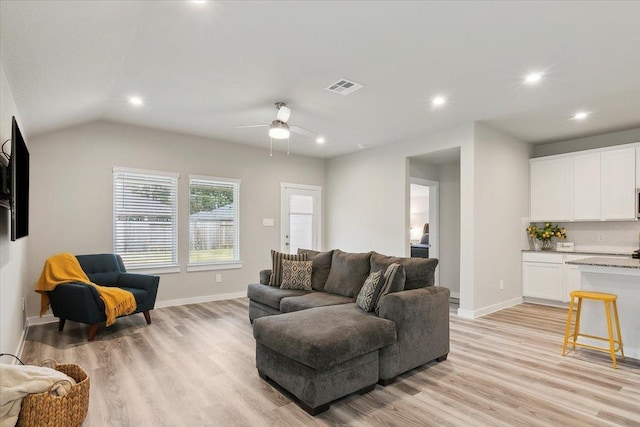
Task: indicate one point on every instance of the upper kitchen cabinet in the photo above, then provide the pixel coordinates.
(590, 185)
(551, 188)
(619, 184)
(586, 187)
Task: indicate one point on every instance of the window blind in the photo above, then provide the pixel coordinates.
(213, 220)
(145, 218)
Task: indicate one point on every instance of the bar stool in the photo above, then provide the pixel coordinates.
(608, 299)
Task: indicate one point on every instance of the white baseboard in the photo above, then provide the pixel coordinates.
(197, 300)
(37, 320)
(49, 318)
(473, 314)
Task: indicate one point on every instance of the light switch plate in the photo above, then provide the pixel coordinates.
(267, 222)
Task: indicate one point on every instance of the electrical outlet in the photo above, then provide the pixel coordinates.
(218, 278)
(501, 284)
(599, 237)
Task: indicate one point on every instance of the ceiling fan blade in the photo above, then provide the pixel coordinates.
(302, 131)
(249, 126)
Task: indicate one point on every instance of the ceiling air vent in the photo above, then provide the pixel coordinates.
(343, 87)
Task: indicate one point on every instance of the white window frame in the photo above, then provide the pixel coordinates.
(218, 265)
(171, 267)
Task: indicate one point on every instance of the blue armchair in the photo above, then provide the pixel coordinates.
(81, 303)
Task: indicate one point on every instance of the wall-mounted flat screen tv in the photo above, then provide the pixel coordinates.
(19, 183)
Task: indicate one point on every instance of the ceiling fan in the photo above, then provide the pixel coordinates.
(280, 129)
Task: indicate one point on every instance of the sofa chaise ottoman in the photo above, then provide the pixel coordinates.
(319, 360)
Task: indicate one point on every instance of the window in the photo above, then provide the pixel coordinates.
(145, 217)
(213, 220)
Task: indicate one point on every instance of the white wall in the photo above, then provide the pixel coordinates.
(368, 202)
(501, 199)
(587, 143)
(450, 227)
(13, 255)
(71, 196)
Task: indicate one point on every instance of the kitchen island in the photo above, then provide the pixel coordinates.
(620, 276)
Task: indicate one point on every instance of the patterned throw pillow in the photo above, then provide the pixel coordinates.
(389, 275)
(369, 291)
(276, 265)
(296, 275)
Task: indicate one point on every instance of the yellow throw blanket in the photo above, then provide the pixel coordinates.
(65, 268)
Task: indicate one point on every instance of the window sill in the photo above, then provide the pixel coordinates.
(217, 266)
(155, 270)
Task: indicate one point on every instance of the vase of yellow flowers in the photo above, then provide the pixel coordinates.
(542, 236)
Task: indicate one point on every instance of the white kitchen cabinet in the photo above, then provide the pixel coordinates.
(586, 187)
(550, 184)
(618, 184)
(543, 276)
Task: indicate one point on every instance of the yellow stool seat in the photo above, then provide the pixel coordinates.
(598, 296)
(572, 338)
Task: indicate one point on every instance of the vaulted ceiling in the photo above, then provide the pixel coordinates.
(205, 68)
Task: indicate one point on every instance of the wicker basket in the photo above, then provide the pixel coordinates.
(48, 410)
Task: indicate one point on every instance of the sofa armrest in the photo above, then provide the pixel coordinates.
(422, 326)
(265, 276)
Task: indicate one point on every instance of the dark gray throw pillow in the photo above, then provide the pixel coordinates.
(321, 267)
(394, 273)
(348, 273)
(369, 293)
(276, 265)
(296, 275)
(420, 272)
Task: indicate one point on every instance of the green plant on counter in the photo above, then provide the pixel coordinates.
(546, 233)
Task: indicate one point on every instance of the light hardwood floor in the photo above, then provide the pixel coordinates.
(195, 366)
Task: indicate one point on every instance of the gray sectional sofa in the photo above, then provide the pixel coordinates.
(320, 346)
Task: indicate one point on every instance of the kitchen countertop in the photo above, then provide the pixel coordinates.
(608, 262)
(582, 252)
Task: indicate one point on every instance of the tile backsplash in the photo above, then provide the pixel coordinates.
(603, 235)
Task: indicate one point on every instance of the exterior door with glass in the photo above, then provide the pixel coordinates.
(300, 218)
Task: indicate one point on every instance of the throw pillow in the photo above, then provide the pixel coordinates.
(369, 293)
(420, 272)
(348, 273)
(321, 267)
(296, 275)
(276, 265)
(390, 277)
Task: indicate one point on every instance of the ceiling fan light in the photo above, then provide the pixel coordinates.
(278, 130)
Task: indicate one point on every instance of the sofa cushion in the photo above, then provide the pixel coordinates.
(315, 299)
(368, 295)
(313, 339)
(419, 272)
(321, 267)
(276, 265)
(393, 278)
(296, 275)
(348, 273)
(271, 296)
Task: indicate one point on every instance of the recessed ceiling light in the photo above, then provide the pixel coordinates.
(580, 115)
(361, 146)
(533, 78)
(135, 100)
(320, 140)
(199, 1)
(438, 100)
